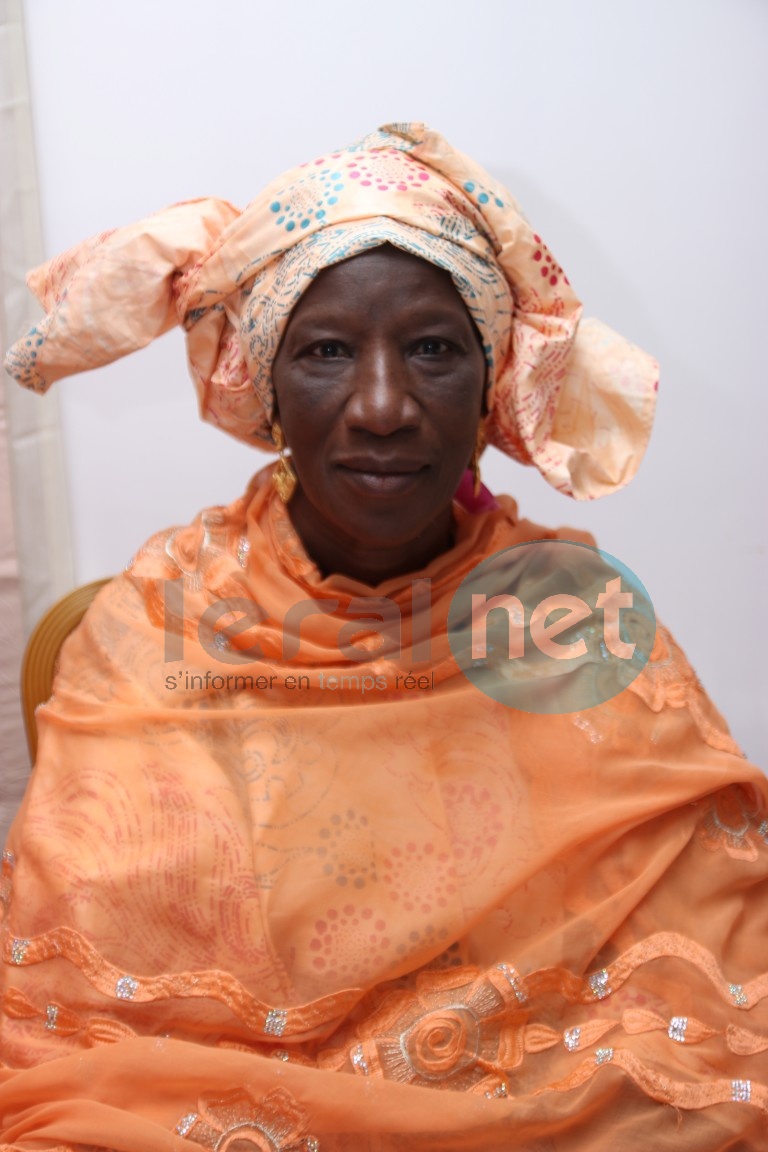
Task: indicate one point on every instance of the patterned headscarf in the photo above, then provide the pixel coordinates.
(569, 396)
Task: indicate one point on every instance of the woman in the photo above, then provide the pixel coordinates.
(283, 878)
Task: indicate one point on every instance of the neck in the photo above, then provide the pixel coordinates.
(373, 562)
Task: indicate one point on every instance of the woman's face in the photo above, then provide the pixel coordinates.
(379, 382)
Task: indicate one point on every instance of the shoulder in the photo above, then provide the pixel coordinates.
(190, 550)
(124, 624)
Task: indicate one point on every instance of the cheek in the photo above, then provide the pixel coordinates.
(462, 412)
(307, 415)
(319, 399)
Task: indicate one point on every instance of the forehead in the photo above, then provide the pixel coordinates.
(381, 278)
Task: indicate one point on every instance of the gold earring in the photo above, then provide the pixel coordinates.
(474, 464)
(283, 477)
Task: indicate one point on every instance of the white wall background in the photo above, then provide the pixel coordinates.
(630, 130)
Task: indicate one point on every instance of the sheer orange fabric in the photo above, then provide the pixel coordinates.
(301, 913)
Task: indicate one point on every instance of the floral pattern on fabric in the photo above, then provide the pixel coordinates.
(236, 1120)
(735, 823)
(450, 1031)
(433, 921)
(668, 681)
(567, 395)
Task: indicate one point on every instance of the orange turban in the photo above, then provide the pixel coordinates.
(569, 396)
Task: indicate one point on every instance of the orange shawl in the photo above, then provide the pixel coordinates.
(401, 918)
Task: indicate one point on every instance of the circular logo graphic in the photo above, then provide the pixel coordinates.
(551, 626)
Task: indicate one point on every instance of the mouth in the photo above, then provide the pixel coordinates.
(379, 478)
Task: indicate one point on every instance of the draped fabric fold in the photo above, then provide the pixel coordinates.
(263, 889)
(573, 398)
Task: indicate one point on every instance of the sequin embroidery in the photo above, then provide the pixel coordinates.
(677, 1027)
(186, 1123)
(738, 995)
(19, 951)
(741, 1091)
(598, 982)
(51, 1014)
(572, 1038)
(359, 1061)
(126, 988)
(515, 981)
(603, 1055)
(274, 1025)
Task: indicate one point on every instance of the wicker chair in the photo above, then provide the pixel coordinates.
(42, 652)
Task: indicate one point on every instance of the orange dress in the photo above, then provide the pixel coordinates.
(308, 913)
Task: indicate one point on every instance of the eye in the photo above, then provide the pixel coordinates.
(432, 346)
(328, 350)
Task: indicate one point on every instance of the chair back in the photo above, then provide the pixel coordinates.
(41, 654)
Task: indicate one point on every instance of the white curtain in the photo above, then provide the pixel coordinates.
(35, 554)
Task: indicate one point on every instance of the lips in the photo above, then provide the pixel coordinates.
(381, 465)
(381, 477)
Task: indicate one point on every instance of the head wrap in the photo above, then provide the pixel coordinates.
(569, 396)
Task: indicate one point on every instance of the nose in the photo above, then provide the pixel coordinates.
(381, 400)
